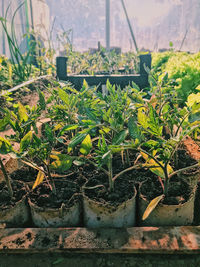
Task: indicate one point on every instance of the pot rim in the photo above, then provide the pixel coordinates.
(106, 204)
(192, 196)
(22, 199)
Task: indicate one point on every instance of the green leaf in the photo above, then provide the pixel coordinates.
(22, 113)
(63, 96)
(5, 146)
(68, 128)
(4, 122)
(194, 117)
(77, 139)
(134, 130)
(62, 162)
(150, 162)
(151, 143)
(152, 205)
(120, 137)
(41, 100)
(49, 133)
(142, 118)
(86, 145)
(154, 122)
(85, 85)
(26, 140)
(37, 140)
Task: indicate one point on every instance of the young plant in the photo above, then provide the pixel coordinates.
(163, 125)
(20, 62)
(6, 148)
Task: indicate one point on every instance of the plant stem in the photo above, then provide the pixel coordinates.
(184, 169)
(110, 174)
(166, 183)
(51, 180)
(7, 179)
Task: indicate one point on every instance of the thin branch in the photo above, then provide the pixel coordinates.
(184, 169)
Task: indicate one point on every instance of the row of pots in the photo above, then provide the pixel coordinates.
(87, 212)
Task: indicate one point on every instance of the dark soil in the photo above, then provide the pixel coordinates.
(179, 191)
(66, 192)
(123, 190)
(24, 174)
(19, 190)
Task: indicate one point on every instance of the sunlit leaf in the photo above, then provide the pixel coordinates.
(22, 113)
(86, 145)
(39, 179)
(62, 163)
(5, 146)
(63, 96)
(78, 163)
(157, 169)
(77, 139)
(26, 140)
(142, 118)
(152, 205)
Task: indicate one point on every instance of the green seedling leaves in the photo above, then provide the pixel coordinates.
(152, 205)
(63, 96)
(26, 141)
(4, 122)
(120, 137)
(49, 133)
(142, 118)
(194, 117)
(86, 145)
(154, 122)
(62, 163)
(134, 130)
(41, 100)
(22, 112)
(68, 128)
(5, 146)
(77, 139)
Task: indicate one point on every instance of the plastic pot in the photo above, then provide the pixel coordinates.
(17, 214)
(67, 214)
(55, 217)
(97, 214)
(167, 215)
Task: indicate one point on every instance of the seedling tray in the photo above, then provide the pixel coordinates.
(146, 246)
(140, 79)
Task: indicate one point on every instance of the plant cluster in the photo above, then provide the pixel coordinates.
(90, 127)
(183, 70)
(102, 62)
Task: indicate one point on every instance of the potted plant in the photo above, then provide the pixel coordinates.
(162, 126)
(14, 209)
(101, 142)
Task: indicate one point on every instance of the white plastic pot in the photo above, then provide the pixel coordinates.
(55, 217)
(167, 215)
(96, 214)
(17, 215)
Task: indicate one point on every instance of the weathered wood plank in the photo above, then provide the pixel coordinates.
(136, 240)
